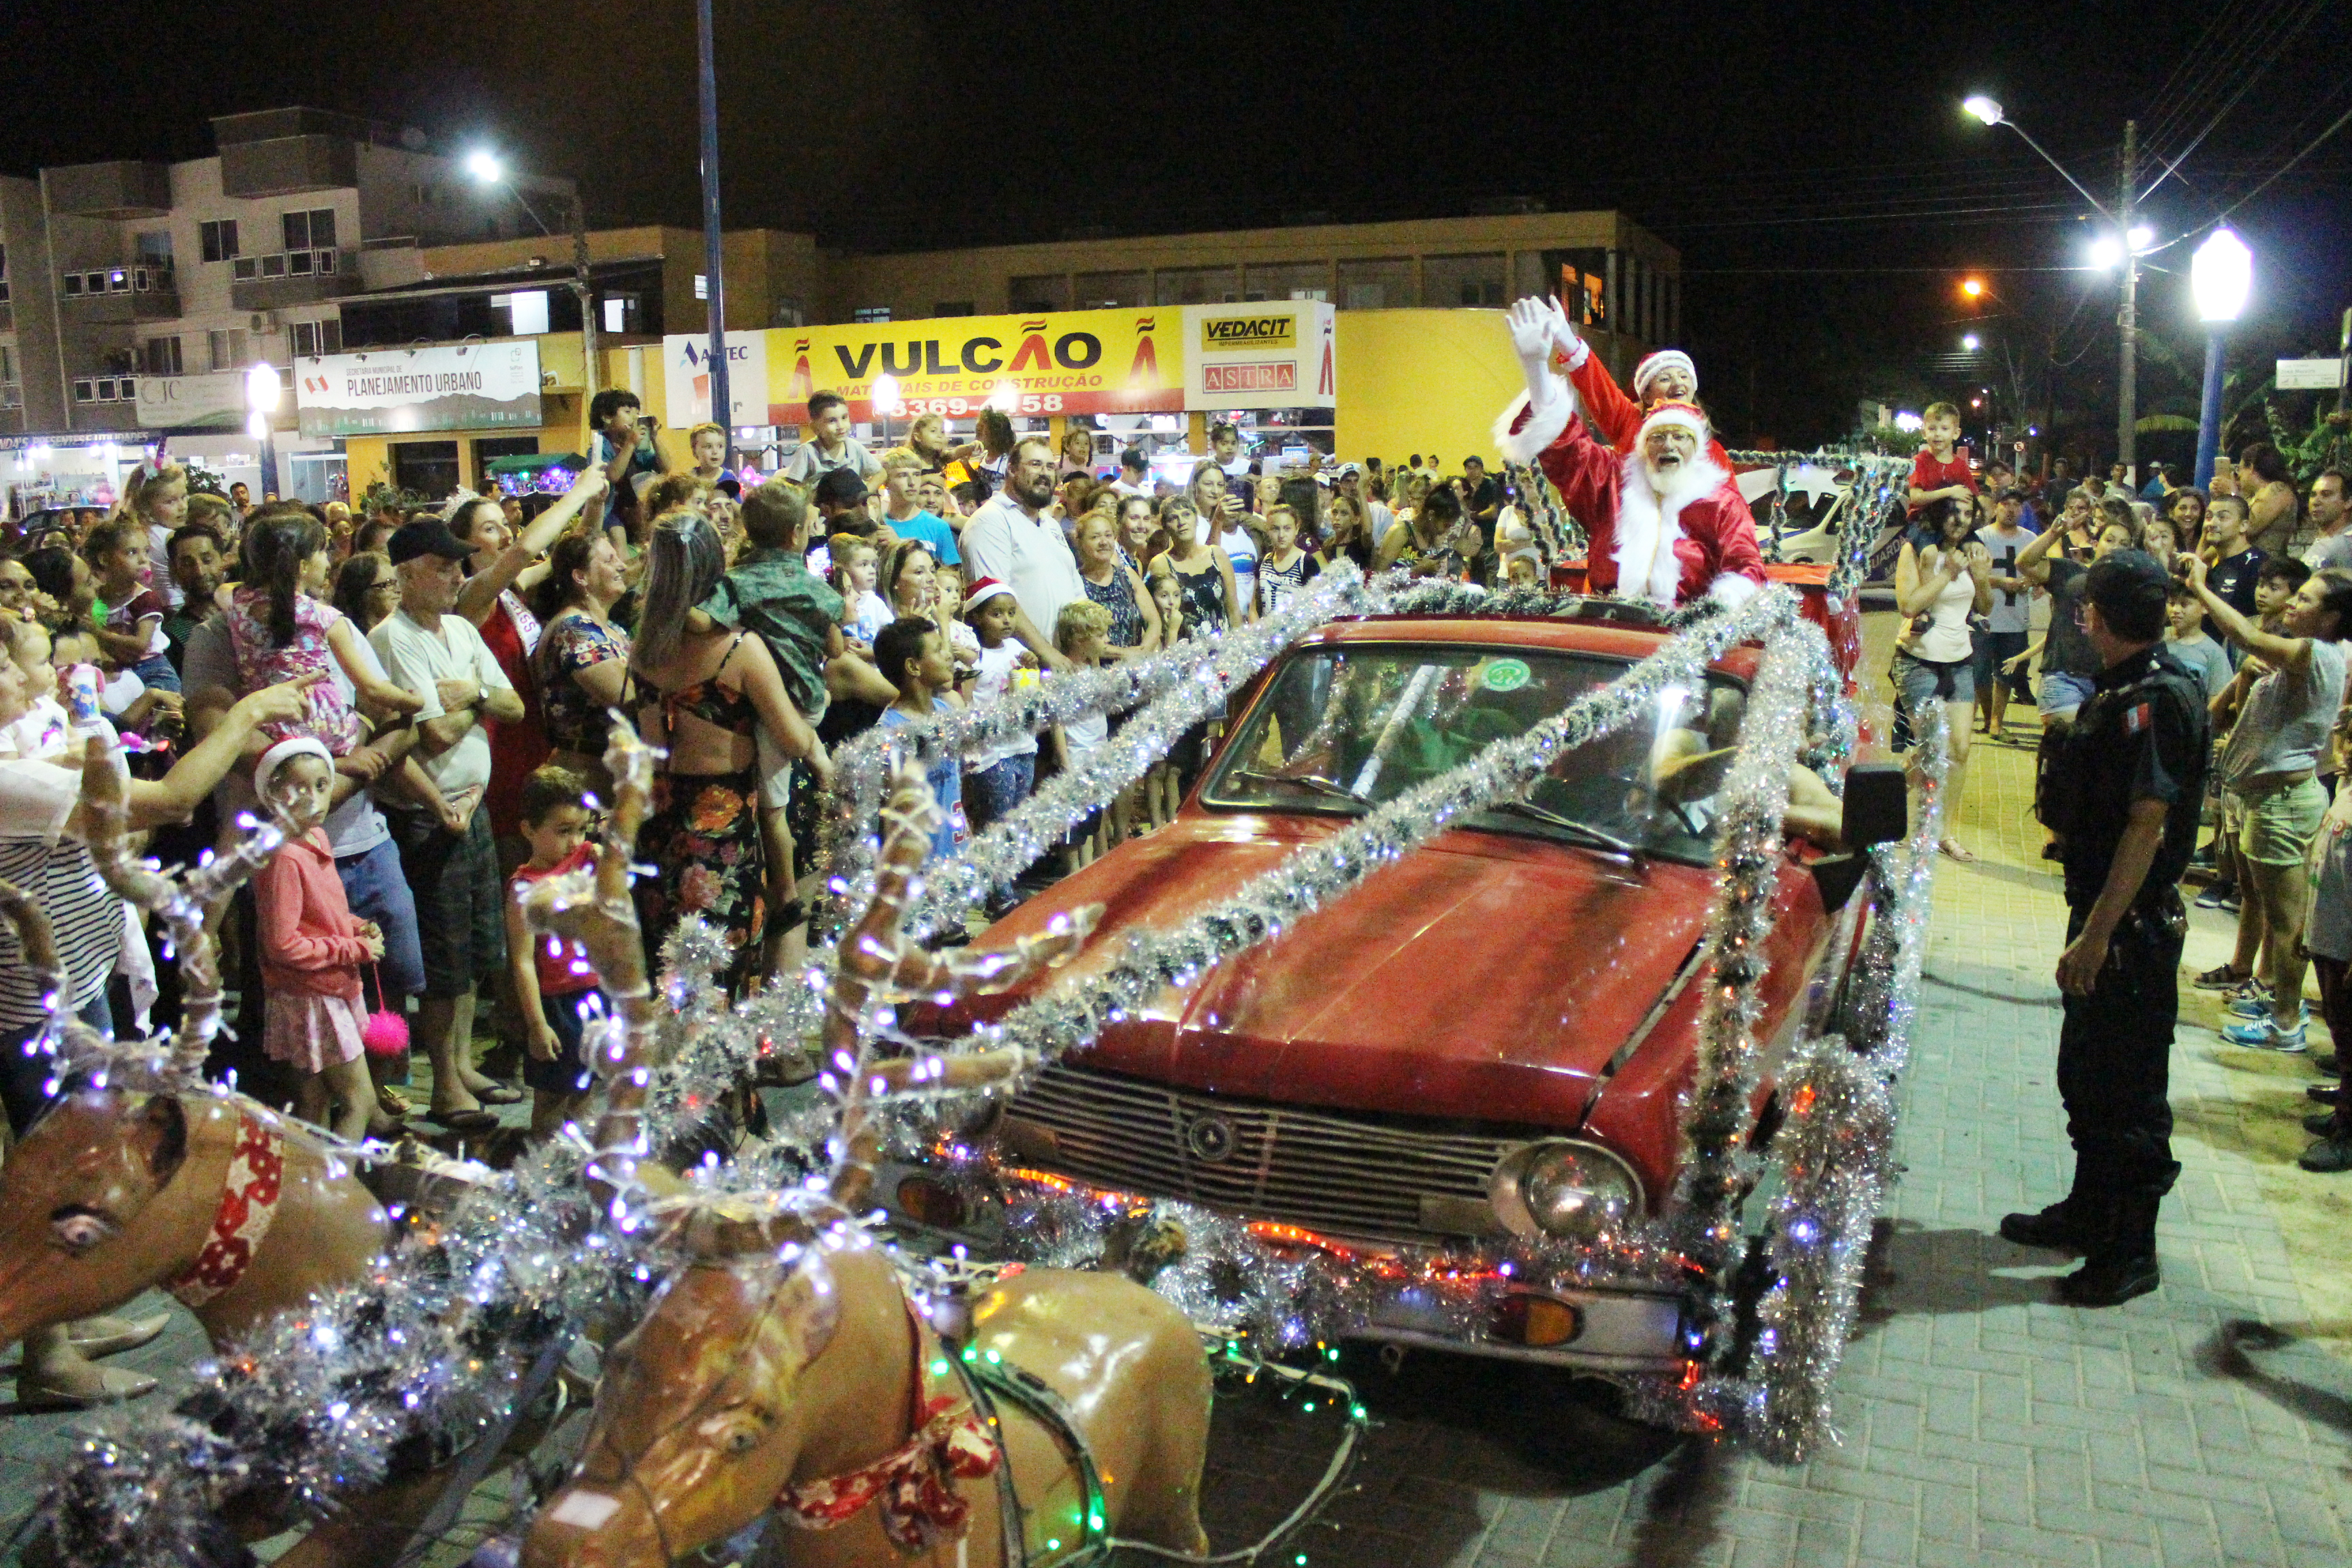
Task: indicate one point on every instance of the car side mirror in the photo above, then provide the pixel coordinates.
(1877, 805)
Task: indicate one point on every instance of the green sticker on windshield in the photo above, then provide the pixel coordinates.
(1506, 675)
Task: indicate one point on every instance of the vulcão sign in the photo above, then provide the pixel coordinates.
(1077, 362)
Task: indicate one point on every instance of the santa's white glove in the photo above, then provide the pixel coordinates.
(1531, 339)
(1563, 331)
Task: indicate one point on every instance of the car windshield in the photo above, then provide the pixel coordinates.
(1343, 729)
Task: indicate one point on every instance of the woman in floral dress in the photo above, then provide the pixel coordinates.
(704, 696)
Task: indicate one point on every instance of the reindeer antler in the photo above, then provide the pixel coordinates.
(179, 899)
(878, 963)
(596, 911)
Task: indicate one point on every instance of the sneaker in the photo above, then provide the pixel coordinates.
(2221, 977)
(2264, 1034)
(2219, 896)
(2252, 1000)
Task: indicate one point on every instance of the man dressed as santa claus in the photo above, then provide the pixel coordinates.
(1666, 376)
(1663, 520)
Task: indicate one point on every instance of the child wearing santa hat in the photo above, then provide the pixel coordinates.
(312, 946)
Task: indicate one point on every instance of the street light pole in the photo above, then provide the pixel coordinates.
(2127, 321)
(722, 407)
(2219, 276)
(583, 289)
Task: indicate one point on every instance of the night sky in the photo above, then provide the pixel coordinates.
(1765, 141)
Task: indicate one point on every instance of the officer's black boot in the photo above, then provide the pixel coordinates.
(2063, 1224)
(2121, 1262)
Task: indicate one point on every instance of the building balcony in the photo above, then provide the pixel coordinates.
(125, 189)
(119, 295)
(287, 278)
(288, 165)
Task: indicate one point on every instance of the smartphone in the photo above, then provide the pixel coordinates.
(572, 462)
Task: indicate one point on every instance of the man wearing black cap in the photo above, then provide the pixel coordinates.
(2128, 783)
(841, 502)
(448, 856)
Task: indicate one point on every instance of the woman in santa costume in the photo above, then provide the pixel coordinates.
(1666, 376)
(1663, 520)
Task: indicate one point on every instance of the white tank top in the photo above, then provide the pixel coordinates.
(1946, 640)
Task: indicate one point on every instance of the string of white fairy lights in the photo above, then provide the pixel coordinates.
(313, 1407)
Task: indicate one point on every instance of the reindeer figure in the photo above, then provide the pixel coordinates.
(785, 1367)
(141, 1174)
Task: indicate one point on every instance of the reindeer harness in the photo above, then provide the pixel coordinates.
(256, 1176)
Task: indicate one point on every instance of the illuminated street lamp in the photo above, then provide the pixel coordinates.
(1971, 342)
(1973, 287)
(263, 393)
(487, 169)
(2120, 246)
(2221, 276)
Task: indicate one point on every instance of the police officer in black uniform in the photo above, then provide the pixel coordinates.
(2124, 806)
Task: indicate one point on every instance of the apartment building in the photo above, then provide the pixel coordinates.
(135, 293)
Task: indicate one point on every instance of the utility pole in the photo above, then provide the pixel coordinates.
(2127, 319)
(584, 289)
(722, 407)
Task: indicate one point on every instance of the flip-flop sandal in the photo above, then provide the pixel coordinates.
(112, 1336)
(115, 1385)
(499, 1094)
(474, 1121)
(393, 1102)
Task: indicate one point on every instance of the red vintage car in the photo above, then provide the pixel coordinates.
(1486, 1039)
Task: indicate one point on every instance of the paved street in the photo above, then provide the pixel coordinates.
(1984, 1424)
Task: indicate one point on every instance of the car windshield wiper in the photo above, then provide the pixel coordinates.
(1583, 832)
(1315, 783)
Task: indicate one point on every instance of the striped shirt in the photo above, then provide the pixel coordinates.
(36, 799)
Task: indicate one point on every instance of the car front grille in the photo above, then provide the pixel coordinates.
(1324, 1170)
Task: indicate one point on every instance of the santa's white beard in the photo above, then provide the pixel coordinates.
(1664, 476)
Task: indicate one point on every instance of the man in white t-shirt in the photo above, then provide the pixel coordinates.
(449, 857)
(1012, 540)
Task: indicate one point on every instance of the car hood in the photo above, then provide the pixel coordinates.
(1483, 977)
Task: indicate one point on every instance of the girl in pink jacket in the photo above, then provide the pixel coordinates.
(311, 946)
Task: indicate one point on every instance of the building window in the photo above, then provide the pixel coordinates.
(1199, 285)
(427, 468)
(1461, 280)
(219, 239)
(1288, 280)
(312, 339)
(870, 313)
(953, 307)
(228, 349)
(163, 356)
(1110, 290)
(1381, 285)
(526, 311)
(153, 248)
(311, 230)
(622, 314)
(244, 269)
(73, 284)
(1046, 291)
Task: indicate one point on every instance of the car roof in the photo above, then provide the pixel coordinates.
(1547, 632)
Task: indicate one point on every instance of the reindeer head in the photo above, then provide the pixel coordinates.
(72, 1198)
(698, 1423)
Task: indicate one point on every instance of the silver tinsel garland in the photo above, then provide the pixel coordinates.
(313, 1407)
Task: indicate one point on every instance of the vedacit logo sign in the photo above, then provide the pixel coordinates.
(1249, 331)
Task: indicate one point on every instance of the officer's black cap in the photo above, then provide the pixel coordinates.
(2129, 587)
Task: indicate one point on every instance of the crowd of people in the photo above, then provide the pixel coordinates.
(2257, 577)
(425, 693)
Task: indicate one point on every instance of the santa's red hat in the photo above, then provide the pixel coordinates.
(982, 589)
(1664, 359)
(1688, 416)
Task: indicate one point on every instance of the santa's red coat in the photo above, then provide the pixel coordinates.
(1695, 540)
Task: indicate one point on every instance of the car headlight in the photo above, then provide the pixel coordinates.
(1563, 1189)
